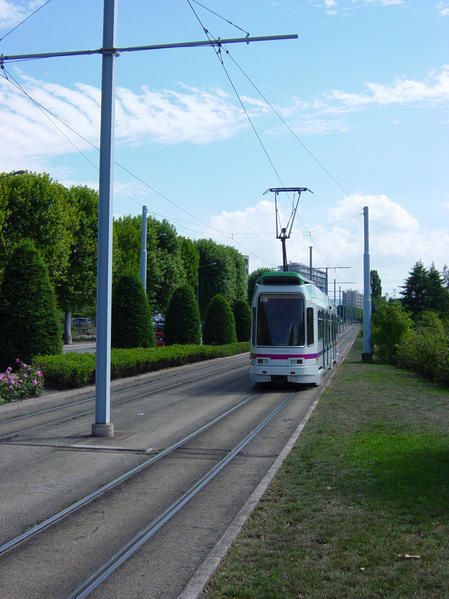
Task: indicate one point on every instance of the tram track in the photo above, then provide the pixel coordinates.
(78, 524)
(56, 531)
(57, 517)
(157, 386)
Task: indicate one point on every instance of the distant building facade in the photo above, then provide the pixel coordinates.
(318, 276)
(352, 298)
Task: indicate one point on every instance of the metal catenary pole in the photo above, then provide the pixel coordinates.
(143, 250)
(103, 426)
(310, 263)
(367, 354)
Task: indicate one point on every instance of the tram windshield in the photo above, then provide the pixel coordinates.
(280, 320)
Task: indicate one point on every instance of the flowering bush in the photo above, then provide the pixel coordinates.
(27, 381)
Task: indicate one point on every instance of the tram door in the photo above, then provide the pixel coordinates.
(321, 342)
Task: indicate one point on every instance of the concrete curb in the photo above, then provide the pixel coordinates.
(195, 586)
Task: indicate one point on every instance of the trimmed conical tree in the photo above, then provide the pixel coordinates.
(182, 320)
(132, 325)
(29, 322)
(219, 324)
(242, 316)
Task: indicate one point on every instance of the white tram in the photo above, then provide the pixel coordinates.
(293, 330)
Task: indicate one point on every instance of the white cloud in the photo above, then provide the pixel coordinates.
(434, 88)
(396, 239)
(443, 8)
(11, 13)
(166, 116)
(331, 7)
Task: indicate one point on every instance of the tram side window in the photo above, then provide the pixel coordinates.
(310, 333)
(320, 325)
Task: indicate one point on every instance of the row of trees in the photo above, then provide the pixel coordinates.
(62, 222)
(413, 332)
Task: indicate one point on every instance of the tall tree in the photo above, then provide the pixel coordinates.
(376, 286)
(78, 287)
(216, 273)
(191, 259)
(415, 290)
(182, 321)
(438, 295)
(132, 324)
(29, 321)
(219, 324)
(35, 207)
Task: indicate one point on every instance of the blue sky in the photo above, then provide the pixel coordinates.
(365, 90)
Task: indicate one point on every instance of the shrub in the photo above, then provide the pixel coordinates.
(27, 381)
(77, 370)
(426, 353)
(391, 324)
(29, 322)
(182, 320)
(242, 316)
(132, 324)
(219, 324)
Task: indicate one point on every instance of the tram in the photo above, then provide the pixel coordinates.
(293, 330)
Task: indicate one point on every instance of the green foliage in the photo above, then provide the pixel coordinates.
(131, 317)
(33, 206)
(424, 290)
(429, 322)
(219, 324)
(78, 287)
(252, 280)
(242, 317)
(182, 320)
(425, 352)
(29, 322)
(376, 285)
(127, 242)
(222, 270)
(390, 325)
(191, 259)
(77, 370)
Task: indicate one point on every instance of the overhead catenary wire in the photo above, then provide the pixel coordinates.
(25, 20)
(217, 51)
(8, 76)
(221, 17)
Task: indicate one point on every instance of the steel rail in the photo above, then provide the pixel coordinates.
(96, 579)
(58, 516)
(117, 402)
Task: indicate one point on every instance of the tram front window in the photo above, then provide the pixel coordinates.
(280, 320)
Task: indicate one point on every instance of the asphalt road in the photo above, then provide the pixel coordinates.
(49, 461)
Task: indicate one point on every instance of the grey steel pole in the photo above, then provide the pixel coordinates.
(327, 281)
(335, 292)
(143, 250)
(103, 427)
(367, 354)
(310, 263)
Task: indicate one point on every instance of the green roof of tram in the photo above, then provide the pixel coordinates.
(281, 278)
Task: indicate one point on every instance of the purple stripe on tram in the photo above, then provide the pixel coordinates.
(287, 356)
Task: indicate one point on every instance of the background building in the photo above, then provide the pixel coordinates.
(353, 298)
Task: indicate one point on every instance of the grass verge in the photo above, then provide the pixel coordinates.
(360, 508)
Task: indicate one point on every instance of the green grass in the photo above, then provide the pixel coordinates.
(366, 485)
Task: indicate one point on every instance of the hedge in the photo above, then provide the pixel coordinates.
(74, 370)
